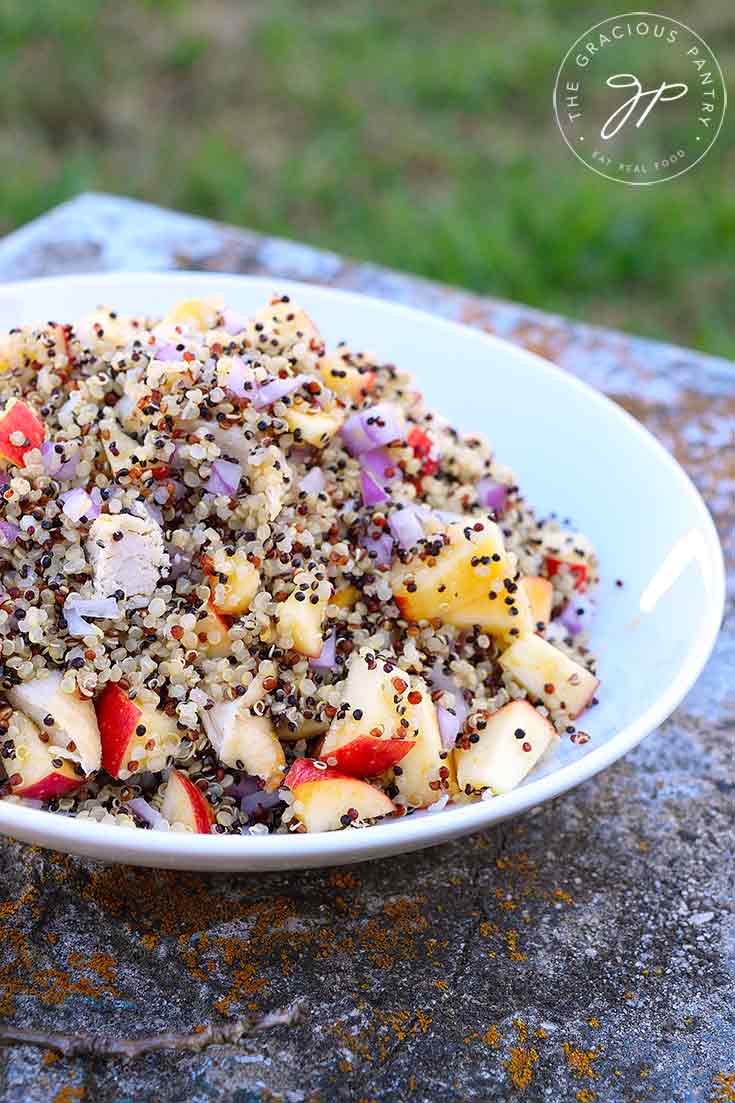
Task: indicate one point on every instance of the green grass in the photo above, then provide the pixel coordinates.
(417, 134)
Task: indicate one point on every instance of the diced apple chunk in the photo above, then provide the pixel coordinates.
(515, 738)
(194, 314)
(369, 734)
(184, 804)
(312, 425)
(244, 740)
(213, 633)
(426, 771)
(299, 618)
(135, 735)
(68, 720)
(549, 675)
(34, 769)
(470, 582)
(346, 380)
(326, 800)
(239, 579)
(285, 322)
(122, 451)
(539, 592)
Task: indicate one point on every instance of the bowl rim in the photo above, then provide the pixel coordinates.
(187, 851)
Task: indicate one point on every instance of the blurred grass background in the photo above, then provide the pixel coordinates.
(417, 133)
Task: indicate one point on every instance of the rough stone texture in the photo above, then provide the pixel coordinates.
(585, 952)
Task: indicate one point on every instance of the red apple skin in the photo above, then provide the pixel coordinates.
(19, 418)
(53, 785)
(117, 719)
(304, 770)
(579, 570)
(200, 806)
(367, 756)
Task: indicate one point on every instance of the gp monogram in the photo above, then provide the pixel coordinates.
(640, 98)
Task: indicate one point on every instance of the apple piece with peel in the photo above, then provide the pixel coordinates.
(34, 769)
(18, 418)
(135, 736)
(549, 675)
(370, 732)
(312, 424)
(183, 803)
(365, 756)
(238, 577)
(539, 592)
(299, 618)
(326, 799)
(470, 581)
(572, 550)
(66, 718)
(350, 382)
(246, 741)
(516, 737)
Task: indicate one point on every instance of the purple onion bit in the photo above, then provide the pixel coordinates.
(372, 492)
(327, 658)
(405, 524)
(225, 478)
(372, 428)
(492, 495)
(379, 549)
(9, 532)
(277, 389)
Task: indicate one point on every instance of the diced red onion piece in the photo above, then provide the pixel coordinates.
(382, 547)
(233, 322)
(53, 463)
(169, 354)
(372, 428)
(259, 801)
(96, 507)
(225, 478)
(378, 463)
(144, 811)
(243, 788)
(406, 527)
(9, 532)
(449, 726)
(76, 504)
(240, 374)
(93, 606)
(327, 659)
(492, 495)
(446, 684)
(76, 609)
(575, 616)
(313, 483)
(372, 491)
(275, 390)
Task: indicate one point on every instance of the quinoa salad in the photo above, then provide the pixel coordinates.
(253, 584)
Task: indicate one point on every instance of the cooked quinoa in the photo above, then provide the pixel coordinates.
(209, 509)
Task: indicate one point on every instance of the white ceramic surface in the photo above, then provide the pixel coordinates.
(574, 452)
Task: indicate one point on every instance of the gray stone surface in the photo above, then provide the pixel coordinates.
(585, 952)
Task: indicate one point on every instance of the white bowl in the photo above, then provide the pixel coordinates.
(574, 452)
